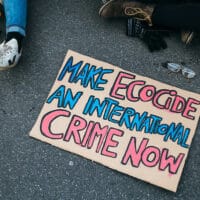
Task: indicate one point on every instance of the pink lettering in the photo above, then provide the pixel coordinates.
(47, 120)
(126, 88)
(131, 87)
(134, 155)
(87, 134)
(98, 131)
(144, 93)
(170, 161)
(178, 104)
(147, 153)
(76, 125)
(151, 156)
(111, 143)
(158, 96)
(118, 85)
(189, 108)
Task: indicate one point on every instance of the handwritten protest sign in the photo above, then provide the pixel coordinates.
(127, 122)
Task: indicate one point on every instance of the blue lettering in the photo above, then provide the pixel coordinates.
(129, 112)
(110, 103)
(87, 75)
(94, 104)
(115, 112)
(70, 68)
(65, 98)
(137, 121)
(162, 129)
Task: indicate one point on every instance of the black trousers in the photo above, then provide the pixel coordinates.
(177, 15)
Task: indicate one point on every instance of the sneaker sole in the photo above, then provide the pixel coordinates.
(101, 9)
(9, 67)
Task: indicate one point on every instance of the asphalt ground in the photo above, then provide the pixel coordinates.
(32, 170)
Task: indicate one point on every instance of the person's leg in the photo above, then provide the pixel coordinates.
(15, 13)
(16, 16)
(172, 15)
(182, 16)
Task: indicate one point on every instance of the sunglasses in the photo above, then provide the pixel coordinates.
(174, 67)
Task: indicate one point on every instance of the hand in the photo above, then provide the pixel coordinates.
(154, 41)
(152, 38)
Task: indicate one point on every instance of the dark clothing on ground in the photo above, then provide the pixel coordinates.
(177, 16)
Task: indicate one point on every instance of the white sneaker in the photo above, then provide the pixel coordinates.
(9, 55)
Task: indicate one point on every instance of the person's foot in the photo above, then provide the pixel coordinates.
(112, 8)
(120, 8)
(9, 54)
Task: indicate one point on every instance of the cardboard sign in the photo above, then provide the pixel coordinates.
(130, 123)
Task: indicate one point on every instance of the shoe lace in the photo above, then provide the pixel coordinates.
(139, 14)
